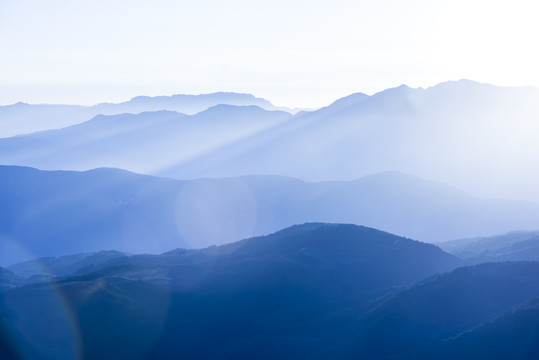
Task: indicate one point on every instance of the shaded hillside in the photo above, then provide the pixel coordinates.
(331, 245)
(8, 279)
(514, 335)
(311, 291)
(283, 295)
(63, 265)
(443, 307)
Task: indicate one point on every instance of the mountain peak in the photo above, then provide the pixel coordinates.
(218, 110)
(349, 100)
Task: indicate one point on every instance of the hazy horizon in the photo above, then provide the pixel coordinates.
(289, 106)
(296, 54)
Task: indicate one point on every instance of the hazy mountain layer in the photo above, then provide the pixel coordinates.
(148, 142)
(513, 246)
(477, 137)
(53, 213)
(24, 118)
(473, 136)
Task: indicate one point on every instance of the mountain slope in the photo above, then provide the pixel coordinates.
(443, 307)
(474, 136)
(59, 213)
(147, 142)
(63, 265)
(310, 291)
(54, 213)
(512, 335)
(8, 279)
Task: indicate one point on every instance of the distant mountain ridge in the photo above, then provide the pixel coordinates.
(145, 142)
(62, 266)
(22, 118)
(474, 136)
(513, 246)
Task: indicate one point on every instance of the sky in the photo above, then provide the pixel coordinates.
(294, 53)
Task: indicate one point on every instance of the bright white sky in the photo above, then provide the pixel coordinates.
(303, 53)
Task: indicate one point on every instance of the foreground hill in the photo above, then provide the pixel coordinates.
(437, 310)
(54, 213)
(515, 334)
(282, 295)
(312, 291)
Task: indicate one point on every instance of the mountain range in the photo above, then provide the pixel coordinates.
(198, 304)
(474, 136)
(312, 291)
(22, 118)
(145, 142)
(53, 213)
(220, 226)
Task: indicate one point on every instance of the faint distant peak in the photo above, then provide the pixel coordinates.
(24, 106)
(450, 85)
(395, 91)
(226, 109)
(141, 114)
(20, 104)
(161, 112)
(462, 83)
(234, 107)
(222, 94)
(224, 97)
(349, 100)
